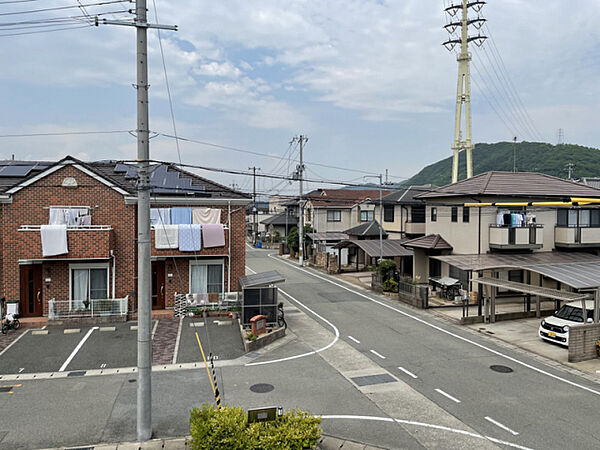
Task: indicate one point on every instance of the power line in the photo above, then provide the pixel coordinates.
(66, 133)
(60, 8)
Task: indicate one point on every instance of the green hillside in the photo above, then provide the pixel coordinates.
(530, 157)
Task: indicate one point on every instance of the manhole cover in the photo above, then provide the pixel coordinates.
(501, 369)
(262, 388)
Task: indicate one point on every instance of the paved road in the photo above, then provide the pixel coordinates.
(534, 405)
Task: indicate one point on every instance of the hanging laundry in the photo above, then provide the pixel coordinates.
(190, 238)
(213, 235)
(54, 240)
(166, 237)
(160, 216)
(507, 219)
(181, 216)
(206, 215)
(86, 220)
(57, 216)
(500, 219)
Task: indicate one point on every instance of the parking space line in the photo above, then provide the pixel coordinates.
(445, 394)
(354, 339)
(154, 328)
(177, 340)
(504, 427)
(14, 342)
(410, 374)
(74, 352)
(377, 354)
(39, 332)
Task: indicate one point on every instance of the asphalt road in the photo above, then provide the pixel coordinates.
(534, 405)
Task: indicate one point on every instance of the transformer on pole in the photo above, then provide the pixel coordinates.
(463, 92)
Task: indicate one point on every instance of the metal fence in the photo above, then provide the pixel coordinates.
(106, 307)
(415, 294)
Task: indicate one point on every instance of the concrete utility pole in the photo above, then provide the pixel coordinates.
(514, 154)
(254, 209)
(463, 92)
(301, 140)
(380, 176)
(144, 287)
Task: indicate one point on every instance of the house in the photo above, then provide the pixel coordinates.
(517, 227)
(403, 214)
(281, 223)
(92, 254)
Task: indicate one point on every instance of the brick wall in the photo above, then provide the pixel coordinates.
(582, 342)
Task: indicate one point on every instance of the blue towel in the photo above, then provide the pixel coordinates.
(181, 216)
(190, 238)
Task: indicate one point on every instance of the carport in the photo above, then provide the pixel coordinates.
(370, 251)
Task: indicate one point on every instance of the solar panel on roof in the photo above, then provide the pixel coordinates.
(16, 170)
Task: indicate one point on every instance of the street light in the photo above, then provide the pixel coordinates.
(380, 214)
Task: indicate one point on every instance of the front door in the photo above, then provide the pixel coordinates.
(31, 302)
(158, 285)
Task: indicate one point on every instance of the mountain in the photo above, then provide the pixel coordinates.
(530, 157)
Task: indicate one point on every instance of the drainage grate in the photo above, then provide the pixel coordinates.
(77, 373)
(133, 380)
(262, 388)
(5, 388)
(373, 379)
(501, 369)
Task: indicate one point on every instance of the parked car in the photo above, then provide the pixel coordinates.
(556, 327)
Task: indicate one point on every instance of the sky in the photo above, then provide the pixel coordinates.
(367, 81)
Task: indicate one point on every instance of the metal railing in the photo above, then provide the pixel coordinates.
(70, 227)
(108, 307)
(196, 303)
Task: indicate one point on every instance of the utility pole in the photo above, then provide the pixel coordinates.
(463, 92)
(570, 168)
(254, 209)
(301, 139)
(380, 213)
(514, 154)
(144, 287)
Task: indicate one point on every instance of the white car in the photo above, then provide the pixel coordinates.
(555, 328)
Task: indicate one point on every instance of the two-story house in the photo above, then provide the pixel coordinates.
(69, 234)
(403, 214)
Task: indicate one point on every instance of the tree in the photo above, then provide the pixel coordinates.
(293, 237)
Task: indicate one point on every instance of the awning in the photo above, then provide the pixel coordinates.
(327, 236)
(261, 279)
(391, 247)
(530, 289)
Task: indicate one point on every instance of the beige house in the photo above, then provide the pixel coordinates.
(403, 214)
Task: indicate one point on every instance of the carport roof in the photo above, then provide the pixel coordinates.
(530, 289)
(261, 279)
(391, 247)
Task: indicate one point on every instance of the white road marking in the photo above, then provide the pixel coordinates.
(504, 427)
(21, 369)
(410, 374)
(425, 425)
(336, 331)
(74, 352)
(354, 339)
(445, 394)
(14, 342)
(108, 328)
(72, 330)
(102, 366)
(154, 328)
(377, 354)
(177, 340)
(449, 333)
(44, 327)
(133, 327)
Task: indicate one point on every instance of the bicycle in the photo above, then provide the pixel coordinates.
(10, 323)
(281, 316)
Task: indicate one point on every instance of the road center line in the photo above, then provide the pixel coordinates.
(504, 427)
(410, 374)
(445, 394)
(449, 333)
(354, 339)
(74, 352)
(377, 354)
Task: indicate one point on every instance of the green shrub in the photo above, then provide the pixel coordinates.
(228, 428)
(251, 337)
(390, 285)
(386, 268)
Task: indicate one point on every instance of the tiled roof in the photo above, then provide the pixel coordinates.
(430, 242)
(365, 229)
(322, 198)
(281, 219)
(391, 247)
(406, 196)
(518, 184)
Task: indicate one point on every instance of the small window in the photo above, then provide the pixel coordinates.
(417, 214)
(466, 214)
(454, 214)
(388, 213)
(596, 217)
(334, 216)
(366, 216)
(562, 219)
(434, 214)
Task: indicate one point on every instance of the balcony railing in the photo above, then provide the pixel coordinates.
(529, 237)
(84, 242)
(77, 309)
(576, 237)
(415, 228)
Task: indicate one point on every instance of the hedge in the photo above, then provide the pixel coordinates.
(228, 427)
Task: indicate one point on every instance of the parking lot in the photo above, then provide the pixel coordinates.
(109, 346)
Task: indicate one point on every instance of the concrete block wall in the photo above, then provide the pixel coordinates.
(582, 342)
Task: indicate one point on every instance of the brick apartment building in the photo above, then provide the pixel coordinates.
(101, 261)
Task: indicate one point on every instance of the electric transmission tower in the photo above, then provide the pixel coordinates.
(463, 93)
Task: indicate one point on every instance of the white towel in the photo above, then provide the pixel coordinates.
(160, 216)
(166, 236)
(57, 216)
(54, 240)
(206, 215)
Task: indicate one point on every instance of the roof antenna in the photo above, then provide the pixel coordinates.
(13, 156)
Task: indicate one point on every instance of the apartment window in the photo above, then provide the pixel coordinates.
(388, 213)
(595, 217)
(88, 282)
(417, 214)
(366, 216)
(434, 214)
(334, 216)
(206, 277)
(454, 214)
(466, 214)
